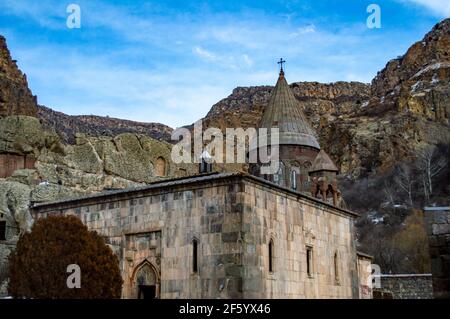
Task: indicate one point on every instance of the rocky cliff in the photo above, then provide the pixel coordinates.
(15, 96)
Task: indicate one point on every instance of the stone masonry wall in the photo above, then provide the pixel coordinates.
(410, 286)
(9, 163)
(438, 230)
(293, 224)
(365, 276)
(5, 249)
(205, 213)
(232, 219)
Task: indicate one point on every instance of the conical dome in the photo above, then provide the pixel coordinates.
(323, 162)
(285, 112)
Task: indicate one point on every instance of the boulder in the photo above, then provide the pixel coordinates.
(21, 135)
(84, 157)
(28, 177)
(132, 156)
(47, 192)
(14, 202)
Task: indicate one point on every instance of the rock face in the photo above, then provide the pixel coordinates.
(418, 81)
(62, 170)
(23, 135)
(127, 156)
(422, 57)
(14, 202)
(15, 96)
(409, 107)
(244, 107)
(366, 127)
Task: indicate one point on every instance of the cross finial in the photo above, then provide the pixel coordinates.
(281, 64)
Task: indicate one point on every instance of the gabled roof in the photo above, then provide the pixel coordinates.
(285, 112)
(323, 162)
(202, 180)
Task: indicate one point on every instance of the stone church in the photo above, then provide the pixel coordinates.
(235, 234)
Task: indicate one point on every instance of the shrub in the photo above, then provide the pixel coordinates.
(38, 265)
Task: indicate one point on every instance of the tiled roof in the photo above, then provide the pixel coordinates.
(323, 162)
(285, 112)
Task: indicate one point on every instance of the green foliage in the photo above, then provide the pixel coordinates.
(38, 266)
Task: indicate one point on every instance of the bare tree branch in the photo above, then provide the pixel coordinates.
(405, 180)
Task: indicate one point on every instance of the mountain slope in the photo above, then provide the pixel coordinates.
(367, 128)
(67, 126)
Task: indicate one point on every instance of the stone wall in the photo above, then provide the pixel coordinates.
(365, 276)
(438, 230)
(9, 163)
(5, 249)
(233, 217)
(293, 157)
(181, 213)
(294, 224)
(405, 286)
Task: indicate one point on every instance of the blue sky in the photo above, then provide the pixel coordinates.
(170, 61)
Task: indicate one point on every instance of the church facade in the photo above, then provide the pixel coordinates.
(222, 235)
(235, 234)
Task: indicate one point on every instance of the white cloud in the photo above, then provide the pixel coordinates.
(227, 61)
(440, 8)
(204, 54)
(44, 13)
(191, 62)
(304, 30)
(247, 60)
(96, 85)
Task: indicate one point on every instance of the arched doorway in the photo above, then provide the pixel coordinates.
(146, 281)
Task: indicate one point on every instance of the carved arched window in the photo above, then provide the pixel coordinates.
(2, 229)
(294, 179)
(271, 255)
(160, 169)
(336, 267)
(309, 261)
(278, 177)
(195, 255)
